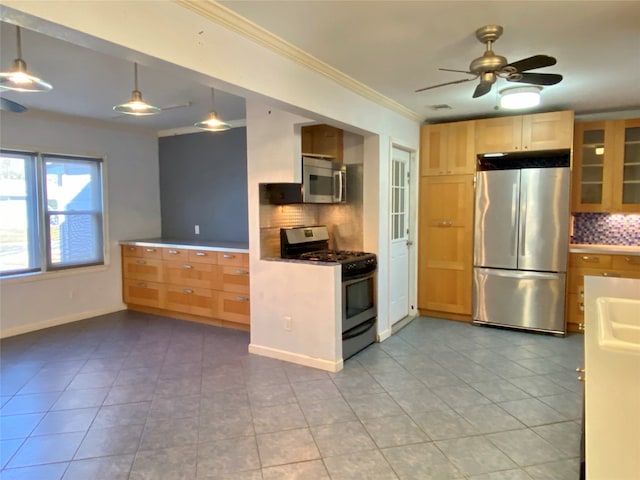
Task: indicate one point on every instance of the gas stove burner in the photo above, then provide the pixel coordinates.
(312, 244)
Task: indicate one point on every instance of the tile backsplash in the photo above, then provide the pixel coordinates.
(606, 229)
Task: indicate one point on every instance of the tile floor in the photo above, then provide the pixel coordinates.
(135, 396)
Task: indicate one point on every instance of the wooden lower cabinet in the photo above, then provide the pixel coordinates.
(445, 248)
(138, 292)
(234, 307)
(201, 285)
(583, 264)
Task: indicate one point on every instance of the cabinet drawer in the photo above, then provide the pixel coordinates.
(590, 260)
(175, 254)
(139, 292)
(235, 279)
(234, 307)
(626, 262)
(202, 256)
(196, 301)
(149, 270)
(151, 252)
(235, 259)
(192, 274)
(131, 251)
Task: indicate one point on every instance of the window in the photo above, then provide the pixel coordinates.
(51, 211)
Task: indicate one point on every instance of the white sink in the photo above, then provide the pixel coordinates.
(619, 324)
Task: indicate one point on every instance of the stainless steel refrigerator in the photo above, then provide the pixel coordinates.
(520, 248)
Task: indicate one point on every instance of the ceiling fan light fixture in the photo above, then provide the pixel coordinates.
(136, 106)
(213, 123)
(516, 98)
(18, 79)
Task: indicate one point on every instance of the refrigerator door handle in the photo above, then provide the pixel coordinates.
(522, 274)
(523, 218)
(514, 211)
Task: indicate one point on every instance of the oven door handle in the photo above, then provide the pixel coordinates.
(359, 329)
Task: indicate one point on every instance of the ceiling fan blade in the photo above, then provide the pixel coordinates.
(539, 78)
(447, 83)
(482, 89)
(11, 106)
(537, 61)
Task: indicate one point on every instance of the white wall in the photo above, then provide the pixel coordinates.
(133, 208)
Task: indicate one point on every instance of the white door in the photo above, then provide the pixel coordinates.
(399, 266)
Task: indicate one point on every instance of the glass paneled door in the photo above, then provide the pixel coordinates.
(400, 243)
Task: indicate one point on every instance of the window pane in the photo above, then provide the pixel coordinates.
(74, 211)
(19, 246)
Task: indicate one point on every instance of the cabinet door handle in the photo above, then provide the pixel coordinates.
(242, 299)
(174, 252)
(149, 249)
(632, 260)
(242, 272)
(132, 249)
(142, 284)
(587, 258)
(187, 267)
(141, 262)
(187, 290)
(201, 254)
(228, 255)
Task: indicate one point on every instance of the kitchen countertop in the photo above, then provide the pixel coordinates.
(611, 249)
(237, 247)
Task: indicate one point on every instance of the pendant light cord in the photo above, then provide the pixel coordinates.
(135, 75)
(19, 42)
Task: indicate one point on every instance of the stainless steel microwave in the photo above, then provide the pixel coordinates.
(323, 181)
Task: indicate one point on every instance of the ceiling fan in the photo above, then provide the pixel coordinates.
(490, 66)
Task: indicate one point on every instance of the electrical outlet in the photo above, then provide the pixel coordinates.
(197, 229)
(288, 323)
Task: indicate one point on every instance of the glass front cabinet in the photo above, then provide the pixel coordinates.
(606, 166)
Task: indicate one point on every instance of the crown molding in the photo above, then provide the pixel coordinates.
(232, 21)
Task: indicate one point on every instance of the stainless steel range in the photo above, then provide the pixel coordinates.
(359, 314)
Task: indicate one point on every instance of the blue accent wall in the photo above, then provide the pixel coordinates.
(203, 181)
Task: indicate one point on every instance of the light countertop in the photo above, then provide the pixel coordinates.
(237, 247)
(611, 249)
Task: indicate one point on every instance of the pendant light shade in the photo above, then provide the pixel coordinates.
(136, 106)
(18, 78)
(213, 123)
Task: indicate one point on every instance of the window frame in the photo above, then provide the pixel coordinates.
(40, 234)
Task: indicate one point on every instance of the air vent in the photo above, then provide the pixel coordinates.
(442, 106)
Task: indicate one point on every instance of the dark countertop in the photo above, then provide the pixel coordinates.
(237, 247)
(606, 249)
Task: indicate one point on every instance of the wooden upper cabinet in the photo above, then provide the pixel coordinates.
(447, 148)
(323, 140)
(539, 131)
(626, 174)
(606, 166)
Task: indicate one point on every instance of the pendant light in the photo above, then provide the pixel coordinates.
(136, 106)
(213, 123)
(18, 78)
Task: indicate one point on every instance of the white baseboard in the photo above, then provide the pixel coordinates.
(326, 365)
(31, 327)
(383, 335)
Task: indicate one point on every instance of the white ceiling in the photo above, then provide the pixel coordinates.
(394, 47)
